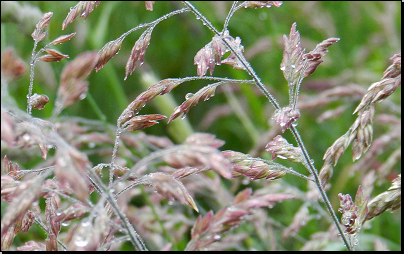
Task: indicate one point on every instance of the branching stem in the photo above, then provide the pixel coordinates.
(273, 101)
(244, 62)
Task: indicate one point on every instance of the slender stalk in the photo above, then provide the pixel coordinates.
(135, 238)
(250, 71)
(112, 165)
(34, 59)
(313, 170)
(154, 23)
(119, 130)
(230, 14)
(31, 78)
(228, 80)
(299, 83)
(244, 62)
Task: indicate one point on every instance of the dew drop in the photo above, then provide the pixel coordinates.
(263, 16)
(83, 96)
(283, 68)
(91, 144)
(217, 237)
(65, 224)
(293, 66)
(80, 242)
(282, 157)
(198, 18)
(188, 96)
(183, 116)
(245, 181)
(85, 224)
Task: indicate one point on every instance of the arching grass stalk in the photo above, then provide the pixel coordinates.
(273, 101)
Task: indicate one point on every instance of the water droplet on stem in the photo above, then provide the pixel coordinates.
(188, 96)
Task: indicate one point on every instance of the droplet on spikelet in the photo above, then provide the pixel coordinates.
(188, 96)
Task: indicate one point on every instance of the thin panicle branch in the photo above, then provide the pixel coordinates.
(112, 48)
(237, 54)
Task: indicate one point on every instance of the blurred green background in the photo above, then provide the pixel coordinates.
(370, 34)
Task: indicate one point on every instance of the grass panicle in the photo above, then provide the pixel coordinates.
(84, 170)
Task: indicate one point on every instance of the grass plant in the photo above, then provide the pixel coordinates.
(101, 151)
